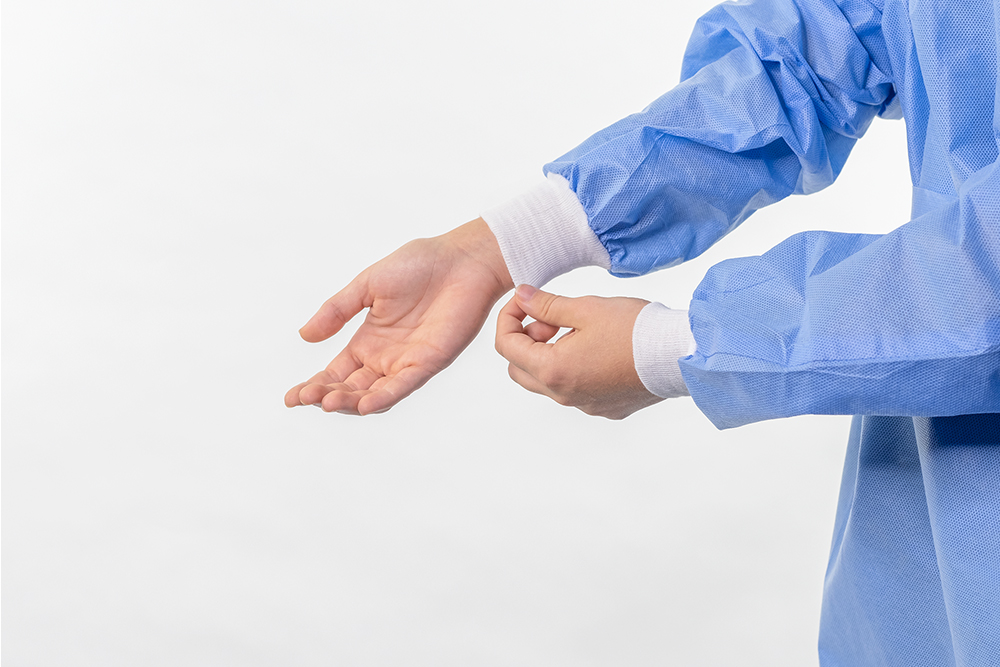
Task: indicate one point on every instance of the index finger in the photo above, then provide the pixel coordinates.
(515, 345)
(337, 311)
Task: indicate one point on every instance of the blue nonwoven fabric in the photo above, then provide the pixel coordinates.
(901, 328)
(914, 572)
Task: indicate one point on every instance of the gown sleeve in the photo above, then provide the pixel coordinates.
(774, 94)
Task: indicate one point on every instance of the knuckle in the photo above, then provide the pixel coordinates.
(550, 307)
(544, 309)
(553, 377)
(335, 312)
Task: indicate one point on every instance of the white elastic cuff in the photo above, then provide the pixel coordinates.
(544, 233)
(660, 337)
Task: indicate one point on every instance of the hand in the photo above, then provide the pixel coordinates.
(590, 367)
(426, 302)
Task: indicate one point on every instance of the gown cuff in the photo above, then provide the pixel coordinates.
(544, 233)
(660, 337)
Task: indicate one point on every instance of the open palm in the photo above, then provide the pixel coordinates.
(426, 302)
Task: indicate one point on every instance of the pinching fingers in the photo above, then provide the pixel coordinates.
(541, 332)
(559, 311)
(514, 344)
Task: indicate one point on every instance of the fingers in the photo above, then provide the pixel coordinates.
(324, 383)
(361, 379)
(560, 311)
(392, 389)
(312, 390)
(541, 332)
(342, 366)
(337, 311)
(515, 345)
(332, 397)
(339, 400)
(362, 392)
(292, 396)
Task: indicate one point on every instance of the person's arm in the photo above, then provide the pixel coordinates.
(775, 94)
(772, 99)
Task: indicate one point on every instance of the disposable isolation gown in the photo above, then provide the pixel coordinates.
(901, 328)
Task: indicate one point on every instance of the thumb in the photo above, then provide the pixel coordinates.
(560, 311)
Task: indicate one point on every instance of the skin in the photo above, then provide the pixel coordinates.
(590, 367)
(429, 299)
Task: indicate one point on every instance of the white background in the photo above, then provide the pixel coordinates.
(184, 183)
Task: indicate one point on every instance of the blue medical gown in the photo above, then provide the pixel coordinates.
(902, 328)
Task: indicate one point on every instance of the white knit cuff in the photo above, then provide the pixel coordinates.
(544, 233)
(660, 337)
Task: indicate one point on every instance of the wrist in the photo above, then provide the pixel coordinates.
(475, 240)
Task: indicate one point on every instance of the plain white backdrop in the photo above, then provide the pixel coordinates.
(185, 182)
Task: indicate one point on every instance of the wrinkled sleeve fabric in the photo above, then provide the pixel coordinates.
(774, 95)
(903, 324)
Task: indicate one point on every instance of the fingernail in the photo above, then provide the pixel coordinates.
(525, 292)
